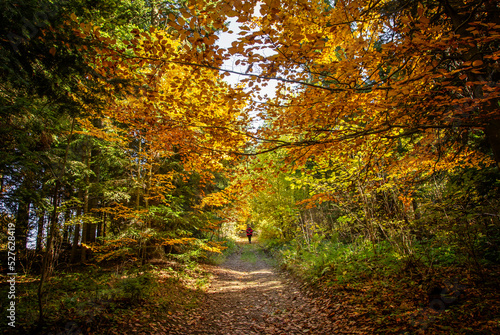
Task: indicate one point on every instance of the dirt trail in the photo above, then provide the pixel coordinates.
(248, 296)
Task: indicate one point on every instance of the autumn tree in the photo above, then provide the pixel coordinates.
(383, 99)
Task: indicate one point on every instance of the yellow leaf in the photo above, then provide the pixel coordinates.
(477, 63)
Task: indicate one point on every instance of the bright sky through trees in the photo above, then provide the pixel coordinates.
(225, 41)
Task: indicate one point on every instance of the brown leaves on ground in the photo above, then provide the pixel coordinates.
(444, 302)
(249, 296)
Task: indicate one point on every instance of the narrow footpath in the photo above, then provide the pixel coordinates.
(249, 296)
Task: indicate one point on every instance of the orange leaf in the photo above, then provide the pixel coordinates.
(477, 63)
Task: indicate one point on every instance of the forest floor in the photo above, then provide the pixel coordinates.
(249, 296)
(245, 294)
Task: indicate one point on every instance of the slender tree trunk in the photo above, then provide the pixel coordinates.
(86, 231)
(66, 228)
(95, 166)
(39, 232)
(71, 233)
(99, 226)
(48, 259)
(74, 247)
(103, 225)
(22, 222)
(492, 132)
(146, 193)
(139, 178)
(76, 236)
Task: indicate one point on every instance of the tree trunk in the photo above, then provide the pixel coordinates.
(22, 221)
(492, 132)
(76, 235)
(86, 231)
(104, 225)
(74, 247)
(48, 258)
(39, 232)
(66, 228)
(139, 178)
(101, 226)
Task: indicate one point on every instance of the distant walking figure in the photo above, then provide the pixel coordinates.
(249, 234)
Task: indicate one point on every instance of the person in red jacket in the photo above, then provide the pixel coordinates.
(249, 234)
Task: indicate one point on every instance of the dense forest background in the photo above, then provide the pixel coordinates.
(372, 166)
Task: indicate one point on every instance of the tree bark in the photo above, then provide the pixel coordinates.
(22, 221)
(86, 231)
(74, 247)
(48, 258)
(39, 232)
(492, 132)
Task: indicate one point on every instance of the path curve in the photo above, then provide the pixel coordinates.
(249, 296)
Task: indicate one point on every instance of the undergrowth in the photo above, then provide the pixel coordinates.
(217, 258)
(95, 298)
(432, 289)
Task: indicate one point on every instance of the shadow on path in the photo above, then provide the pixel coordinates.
(248, 296)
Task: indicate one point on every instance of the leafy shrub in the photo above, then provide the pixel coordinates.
(339, 261)
(136, 288)
(218, 258)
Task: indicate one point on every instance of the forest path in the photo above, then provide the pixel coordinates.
(249, 296)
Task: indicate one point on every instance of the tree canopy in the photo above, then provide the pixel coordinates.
(122, 137)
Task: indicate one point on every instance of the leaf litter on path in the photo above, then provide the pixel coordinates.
(248, 296)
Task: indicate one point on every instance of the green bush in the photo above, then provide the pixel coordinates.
(219, 258)
(136, 288)
(339, 261)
